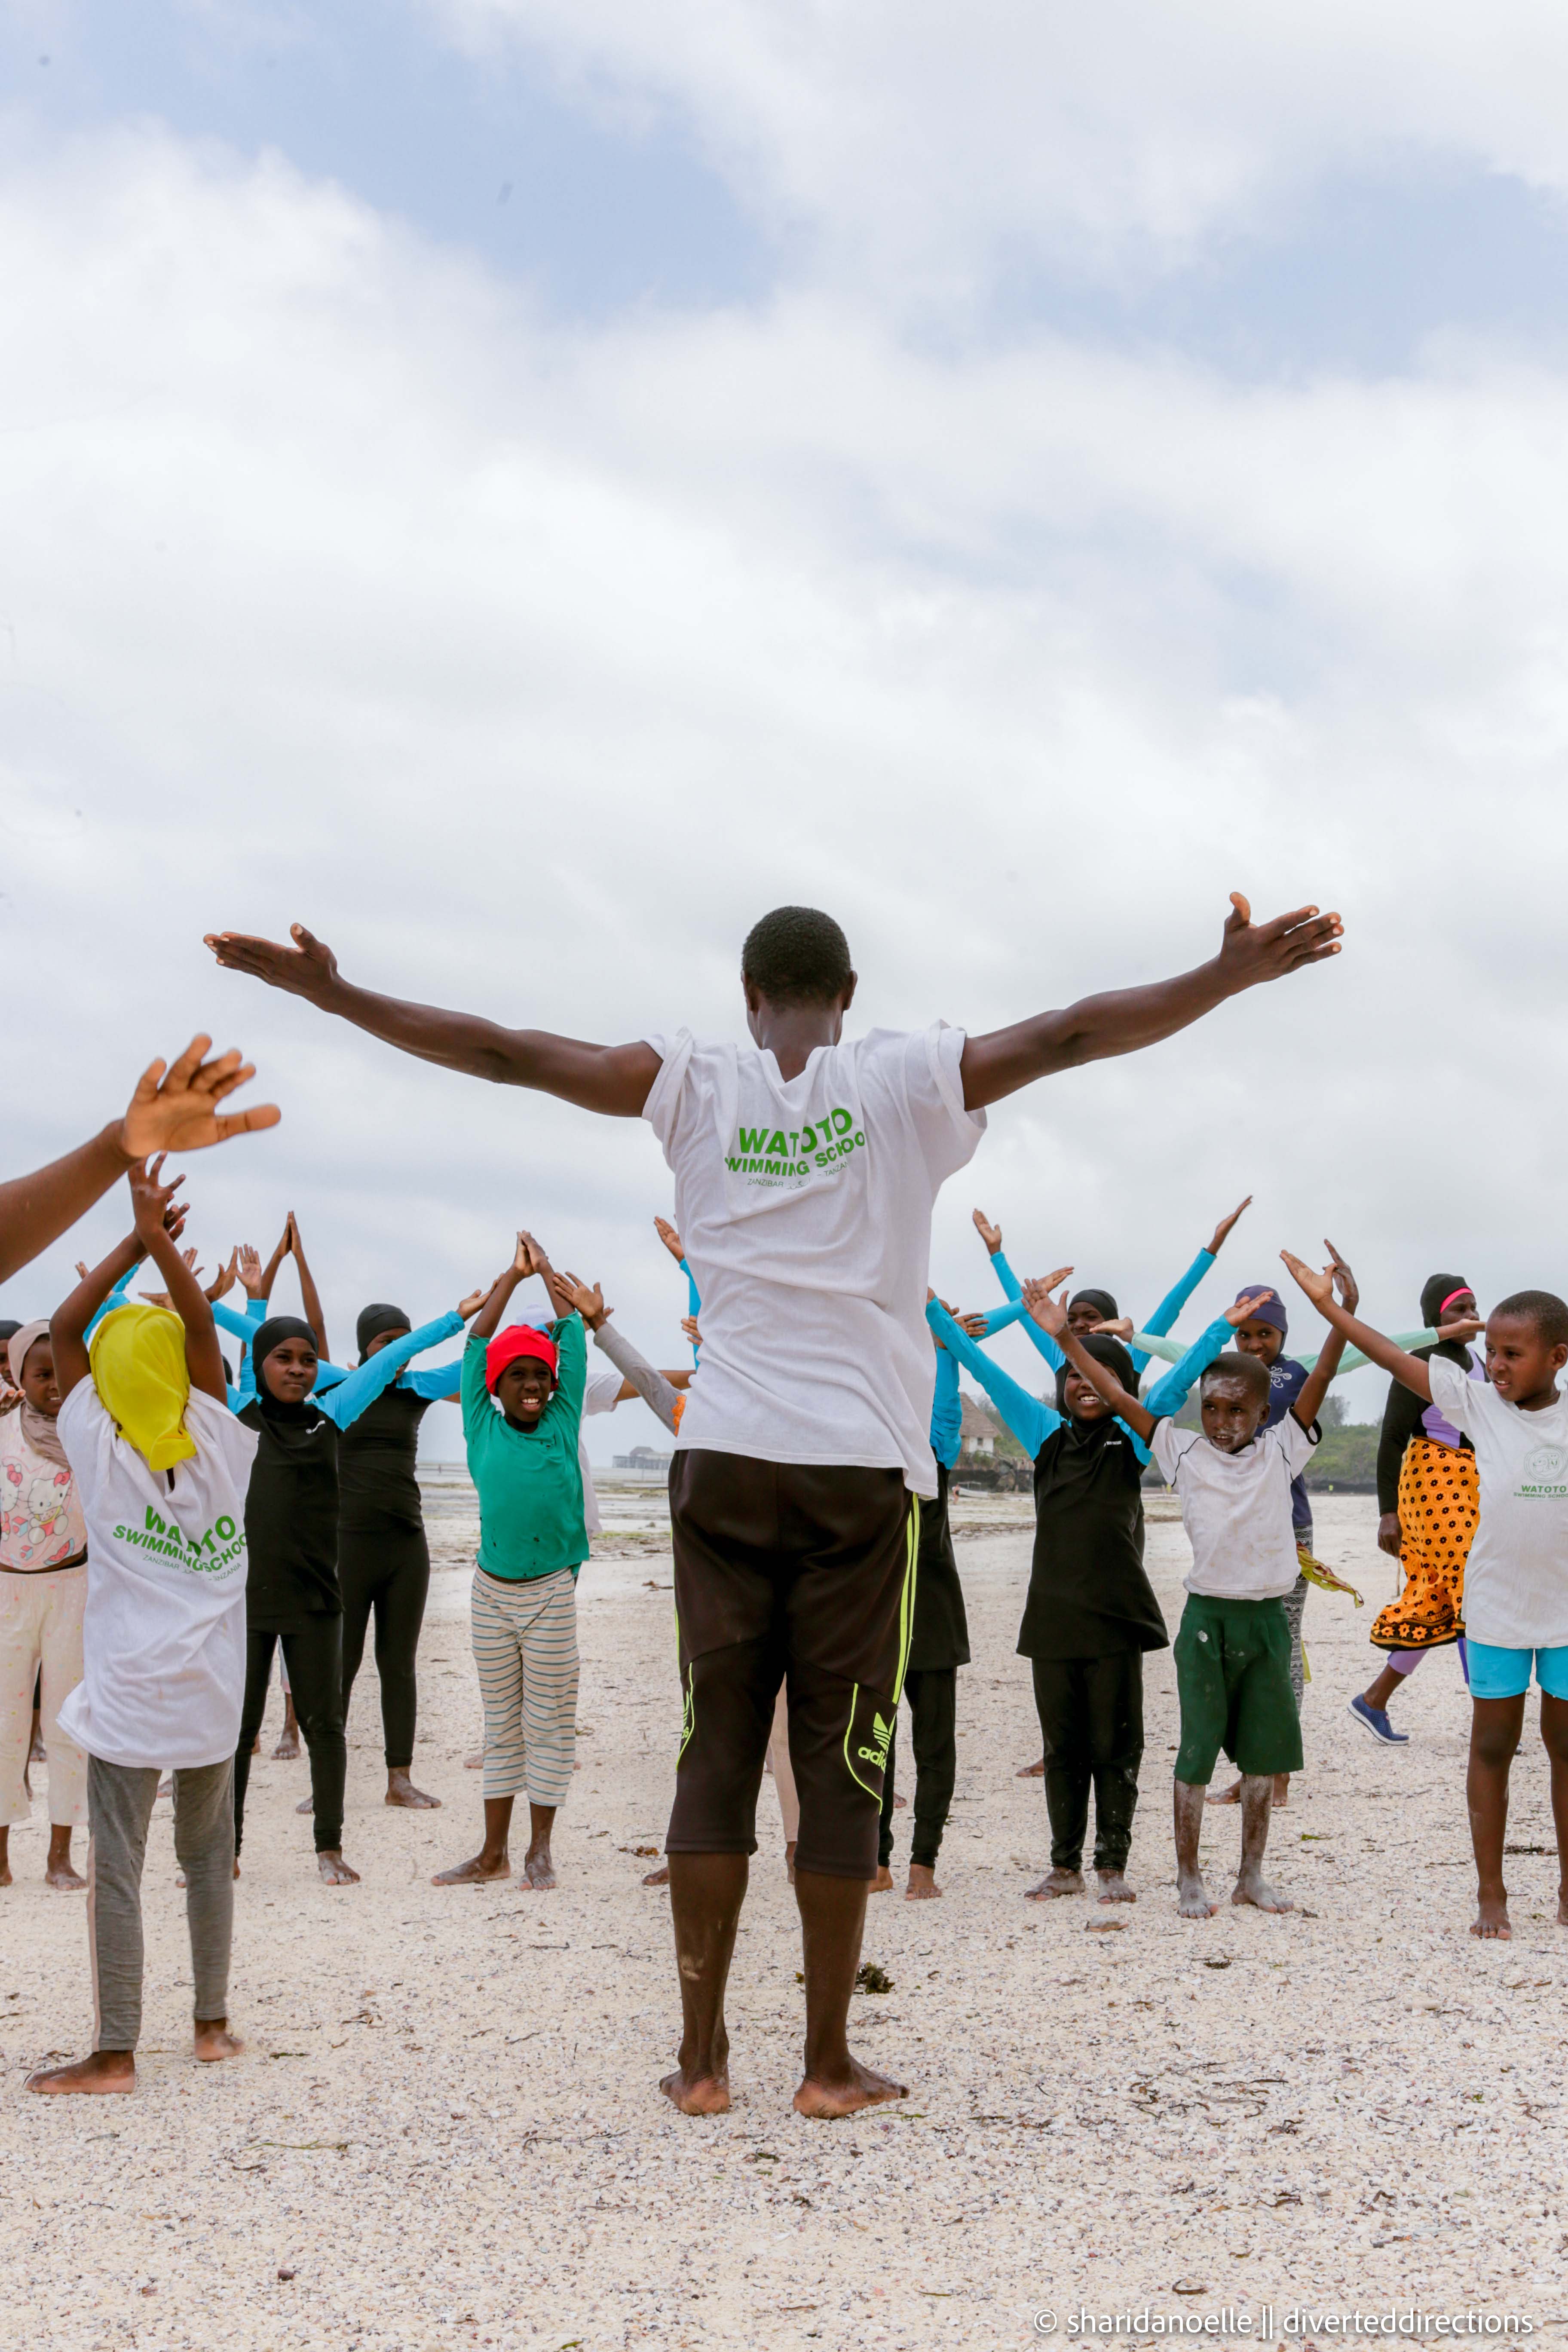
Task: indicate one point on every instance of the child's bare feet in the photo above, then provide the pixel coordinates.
(1031, 1771)
(36, 1753)
(478, 1866)
(923, 1885)
(1252, 1888)
(287, 1747)
(883, 1881)
(401, 1791)
(1193, 1900)
(106, 2070)
(334, 1869)
(1056, 1882)
(660, 1877)
(60, 1871)
(861, 2088)
(1282, 1791)
(1113, 1887)
(538, 1870)
(475, 1762)
(1231, 1796)
(214, 2041)
(1491, 1920)
(699, 2094)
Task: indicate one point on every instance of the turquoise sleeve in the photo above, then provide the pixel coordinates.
(947, 1411)
(1169, 1393)
(1030, 1422)
(1174, 1301)
(344, 1403)
(1145, 1344)
(116, 1298)
(436, 1381)
(1353, 1361)
(242, 1326)
(693, 1305)
(1004, 1274)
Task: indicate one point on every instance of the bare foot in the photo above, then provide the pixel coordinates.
(166, 1786)
(1281, 1791)
(1231, 1796)
(1192, 1898)
(475, 1762)
(106, 2070)
(334, 1869)
(287, 1749)
(36, 1753)
(660, 1877)
(789, 1863)
(538, 1870)
(863, 2088)
(478, 1866)
(256, 1745)
(5, 1858)
(306, 1805)
(63, 1875)
(213, 2040)
(901, 1804)
(1113, 1887)
(1260, 1895)
(1056, 1882)
(882, 1882)
(1492, 1921)
(699, 2095)
(923, 1885)
(1031, 1771)
(401, 1791)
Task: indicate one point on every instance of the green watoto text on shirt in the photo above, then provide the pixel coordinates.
(794, 1151)
(217, 1549)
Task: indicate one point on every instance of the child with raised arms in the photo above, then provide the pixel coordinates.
(1516, 1577)
(1233, 1649)
(1091, 1612)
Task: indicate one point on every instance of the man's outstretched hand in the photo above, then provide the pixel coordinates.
(1250, 952)
(306, 969)
(175, 1107)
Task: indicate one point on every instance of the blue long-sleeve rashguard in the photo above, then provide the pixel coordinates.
(1159, 1323)
(344, 1401)
(1031, 1421)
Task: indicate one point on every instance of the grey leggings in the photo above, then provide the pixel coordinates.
(1295, 1602)
(119, 1799)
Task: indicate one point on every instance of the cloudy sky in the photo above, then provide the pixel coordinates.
(523, 486)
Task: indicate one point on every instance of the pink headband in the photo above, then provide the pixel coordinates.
(1464, 1291)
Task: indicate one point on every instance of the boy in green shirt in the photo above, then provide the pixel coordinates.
(522, 1402)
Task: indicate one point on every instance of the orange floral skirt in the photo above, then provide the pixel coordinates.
(1439, 1504)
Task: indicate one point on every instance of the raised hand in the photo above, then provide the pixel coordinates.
(1318, 1288)
(1121, 1328)
(989, 1233)
(671, 1239)
(1250, 952)
(1246, 1308)
(588, 1302)
(977, 1325)
(1344, 1280)
(1222, 1231)
(248, 1261)
(1050, 1314)
(225, 1278)
(175, 1106)
(530, 1258)
(151, 1201)
(309, 968)
(474, 1301)
(689, 1325)
(1466, 1328)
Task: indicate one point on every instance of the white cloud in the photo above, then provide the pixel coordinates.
(529, 666)
(922, 145)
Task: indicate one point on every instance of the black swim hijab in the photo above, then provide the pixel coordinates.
(1434, 1291)
(1105, 1350)
(374, 1320)
(1102, 1301)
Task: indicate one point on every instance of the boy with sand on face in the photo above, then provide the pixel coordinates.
(1516, 1577)
(1232, 1651)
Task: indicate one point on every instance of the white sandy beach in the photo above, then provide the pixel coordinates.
(446, 2131)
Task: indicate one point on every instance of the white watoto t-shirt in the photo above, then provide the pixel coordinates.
(805, 1209)
(1236, 1507)
(1516, 1578)
(163, 1633)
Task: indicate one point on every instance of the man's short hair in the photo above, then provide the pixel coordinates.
(1543, 1308)
(1250, 1371)
(796, 955)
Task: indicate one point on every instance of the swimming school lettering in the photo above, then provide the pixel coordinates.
(797, 1151)
(218, 1548)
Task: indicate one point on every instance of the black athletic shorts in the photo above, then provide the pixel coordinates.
(785, 1569)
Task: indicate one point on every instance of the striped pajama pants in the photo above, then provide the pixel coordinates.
(525, 1647)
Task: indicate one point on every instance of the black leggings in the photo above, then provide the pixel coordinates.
(314, 1654)
(389, 1572)
(933, 1695)
(1091, 1720)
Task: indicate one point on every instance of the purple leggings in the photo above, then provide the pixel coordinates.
(1405, 1662)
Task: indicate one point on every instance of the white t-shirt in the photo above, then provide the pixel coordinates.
(1516, 1578)
(1236, 1507)
(599, 1395)
(805, 1209)
(163, 1633)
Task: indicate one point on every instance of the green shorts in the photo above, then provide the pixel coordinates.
(1233, 1679)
